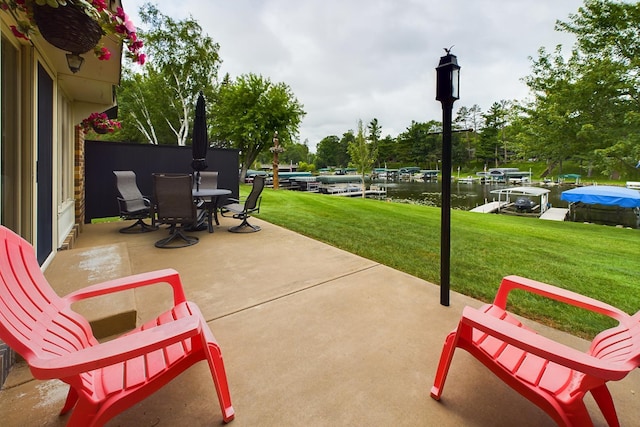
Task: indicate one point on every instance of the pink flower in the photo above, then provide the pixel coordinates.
(140, 58)
(112, 23)
(129, 24)
(100, 5)
(104, 54)
(99, 121)
(135, 46)
(120, 13)
(18, 33)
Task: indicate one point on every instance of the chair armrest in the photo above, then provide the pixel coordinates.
(122, 202)
(169, 276)
(543, 347)
(549, 291)
(118, 350)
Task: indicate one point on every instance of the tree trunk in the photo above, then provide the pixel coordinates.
(549, 169)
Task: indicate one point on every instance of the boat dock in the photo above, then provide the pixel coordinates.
(489, 207)
(373, 191)
(368, 193)
(555, 214)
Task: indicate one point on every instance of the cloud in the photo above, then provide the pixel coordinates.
(360, 59)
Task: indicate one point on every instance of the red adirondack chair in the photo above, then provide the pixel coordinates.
(104, 378)
(553, 376)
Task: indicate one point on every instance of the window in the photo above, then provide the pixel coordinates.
(65, 152)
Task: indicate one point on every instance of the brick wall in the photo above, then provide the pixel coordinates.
(78, 190)
(7, 358)
(79, 180)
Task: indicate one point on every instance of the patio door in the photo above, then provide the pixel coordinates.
(9, 134)
(44, 166)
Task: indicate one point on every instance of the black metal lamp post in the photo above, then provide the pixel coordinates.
(447, 86)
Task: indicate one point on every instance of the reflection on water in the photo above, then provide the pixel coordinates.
(463, 196)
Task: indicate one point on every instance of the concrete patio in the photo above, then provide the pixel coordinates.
(310, 335)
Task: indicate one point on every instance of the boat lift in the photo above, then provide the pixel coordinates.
(507, 196)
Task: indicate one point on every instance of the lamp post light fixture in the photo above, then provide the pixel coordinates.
(276, 149)
(447, 92)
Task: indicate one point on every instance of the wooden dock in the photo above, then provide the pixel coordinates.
(555, 214)
(489, 207)
(368, 193)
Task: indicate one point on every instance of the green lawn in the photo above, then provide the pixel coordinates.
(598, 261)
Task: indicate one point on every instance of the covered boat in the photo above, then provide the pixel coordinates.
(607, 195)
(604, 204)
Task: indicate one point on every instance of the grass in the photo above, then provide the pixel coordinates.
(598, 261)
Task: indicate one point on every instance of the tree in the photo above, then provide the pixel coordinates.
(343, 151)
(249, 110)
(327, 151)
(609, 46)
(420, 143)
(158, 99)
(583, 105)
(549, 125)
(387, 149)
(470, 120)
(493, 134)
(374, 132)
(362, 154)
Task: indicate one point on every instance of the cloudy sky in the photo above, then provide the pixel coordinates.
(358, 59)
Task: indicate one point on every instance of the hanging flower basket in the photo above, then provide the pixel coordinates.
(100, 130)
(100, 123)
(67, 27)
(76, 26)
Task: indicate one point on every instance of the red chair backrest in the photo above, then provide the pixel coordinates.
(34, 320)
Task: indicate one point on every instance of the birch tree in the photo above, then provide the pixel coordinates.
(157, 101)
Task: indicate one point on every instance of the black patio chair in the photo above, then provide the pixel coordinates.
(208, 180)
(174, 206)
(244, 210)
(132, 204)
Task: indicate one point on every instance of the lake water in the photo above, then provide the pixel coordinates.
(463, 196)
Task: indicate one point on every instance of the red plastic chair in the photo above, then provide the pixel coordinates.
(106, 378)
(551, 375)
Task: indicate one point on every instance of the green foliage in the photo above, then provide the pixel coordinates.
(387, 150)
(306, 167)
(332, 151)
(582, 105)
(362, 154)
(247, 112)
(157, 101)
(374, 131)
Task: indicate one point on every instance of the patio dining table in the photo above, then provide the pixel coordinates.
(210, 198)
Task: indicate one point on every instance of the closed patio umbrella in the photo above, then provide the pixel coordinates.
(199, 144)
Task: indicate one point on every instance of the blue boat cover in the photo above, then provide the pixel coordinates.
(603, 195)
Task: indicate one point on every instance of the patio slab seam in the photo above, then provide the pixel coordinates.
(294, 292)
